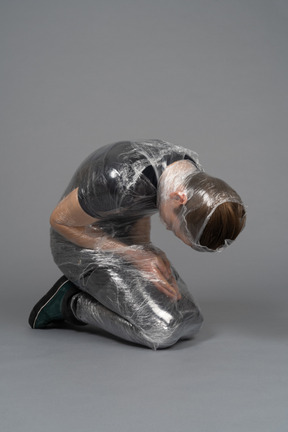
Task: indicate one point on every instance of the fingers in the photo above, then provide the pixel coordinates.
(174, 284)
(168, 288)
(164, 266)
(169, 278)
(157, 269)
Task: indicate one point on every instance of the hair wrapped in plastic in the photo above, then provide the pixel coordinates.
(206, 195)
(127, 285)
(212, 214)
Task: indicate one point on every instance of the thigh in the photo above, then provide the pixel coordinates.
(120, 287)
(123, 289)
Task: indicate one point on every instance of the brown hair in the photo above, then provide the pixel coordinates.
(227, 220)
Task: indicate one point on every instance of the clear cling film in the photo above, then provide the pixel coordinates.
(122, 299)
(100, 239)
(205, 194)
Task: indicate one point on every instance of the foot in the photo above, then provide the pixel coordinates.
(54, 306)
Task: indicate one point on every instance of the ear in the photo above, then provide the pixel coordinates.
(180, 197)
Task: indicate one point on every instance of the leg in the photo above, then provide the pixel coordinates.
(157, 323)
(121, 301)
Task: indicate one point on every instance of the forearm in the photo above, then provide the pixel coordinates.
(75, 225)
(95, 238)
(78, 227)
(80, 236)
(151, 262)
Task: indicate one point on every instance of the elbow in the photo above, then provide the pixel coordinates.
(52, 220)
(54, 223)
(57, 226)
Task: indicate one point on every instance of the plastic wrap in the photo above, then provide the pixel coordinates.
(204, 194)
(127, 285)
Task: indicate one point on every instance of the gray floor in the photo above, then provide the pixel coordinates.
(205, 74)
(232, 377)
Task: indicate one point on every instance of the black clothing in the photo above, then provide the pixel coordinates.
(122, 178)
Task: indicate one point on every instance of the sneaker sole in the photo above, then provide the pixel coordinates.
(44, 301)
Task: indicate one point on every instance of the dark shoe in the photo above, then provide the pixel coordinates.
(54, 306)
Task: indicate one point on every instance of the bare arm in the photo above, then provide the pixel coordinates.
(70, 221)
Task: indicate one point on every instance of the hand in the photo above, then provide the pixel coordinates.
(155, 266)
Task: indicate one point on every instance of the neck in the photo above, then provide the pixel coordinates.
(173, 177)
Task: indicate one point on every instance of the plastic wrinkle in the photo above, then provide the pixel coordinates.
(121, 185)
(209, 198)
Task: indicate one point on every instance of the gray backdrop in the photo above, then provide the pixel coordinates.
(210, 75)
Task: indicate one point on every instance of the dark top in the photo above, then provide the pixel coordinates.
(118, 182)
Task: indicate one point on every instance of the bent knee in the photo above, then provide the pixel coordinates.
(163, 335)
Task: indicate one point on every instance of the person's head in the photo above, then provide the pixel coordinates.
(203, 211)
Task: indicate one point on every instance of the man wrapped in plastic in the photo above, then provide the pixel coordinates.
(114, 278)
